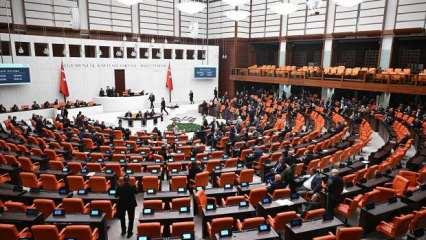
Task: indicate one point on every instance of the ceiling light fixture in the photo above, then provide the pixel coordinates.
(283, 8)
(158, 55)
(146, 54)
(347, 3)
(191, 7)
(235, 3)
(20, 50)
(237, 15)
(133, 53)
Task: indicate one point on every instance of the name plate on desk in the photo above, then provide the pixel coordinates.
(187, 236)
(184, 209)
(148, 211)
(264, 228)
(243, 204)
(227, 186)
(181, 190)
(150, 191)
(210, 207)
(58, 213)
(82, 192)
(266, 200)
(112, 192)
(95, 213)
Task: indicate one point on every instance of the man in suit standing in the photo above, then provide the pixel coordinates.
(191, 97)
(163, 106)
(126, 203)
(152, 99)
(334, 191)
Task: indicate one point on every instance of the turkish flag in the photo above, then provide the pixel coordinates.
(169, 80)
(63, 86)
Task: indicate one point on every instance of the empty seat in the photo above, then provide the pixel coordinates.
(99, 184)
(30, 180)
(50, 183)
(74, 205)
(156, 205)
(250, 223)
(314, 214)
(178, 182)
(81, 232)
(177, 203)
(245, 176)
(151, 230)
(281, 219)
(150, 182)
(179, 228)
(226, 178)
(218, 224)
(256, 195)
(47, 232)
(344, 233)
(233, 200)
(15, 206)
(105, 206)
(76, 183)
(397, 228)
(9, 232)
(45, 206)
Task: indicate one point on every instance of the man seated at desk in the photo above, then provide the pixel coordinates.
(14, 108)
(139, 115)
(46, 104)
(35, 106)
(128, 114)
(102, 93)
(2, 109)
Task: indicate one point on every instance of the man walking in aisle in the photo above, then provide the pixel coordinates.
(163, 106)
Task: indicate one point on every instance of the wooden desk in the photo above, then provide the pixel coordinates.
(351, 191)
(252, 234)
(277, 206)
(20, 219)
(86, 219)
(246, 190)
(7, 193)
(59, 173)
(311, 229)
(221, 192)
(417, 200)
(370, 218)
(95, 196)
(374, 182)
(165, 196)
(166, 218)
(231, 211)
(55, 196)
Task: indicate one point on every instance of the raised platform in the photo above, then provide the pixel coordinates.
(123, 104)
(52, 112)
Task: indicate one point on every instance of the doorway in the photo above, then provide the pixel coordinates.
(120, 81)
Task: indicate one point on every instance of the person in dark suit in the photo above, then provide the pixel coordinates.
(277, 183)
(126, 194)
(287, 177)
(194, 169)
(152, 99)
(163, 106)
(191, 97)
(2, 109)
(102, 93)
(334, 191)
(215, 93)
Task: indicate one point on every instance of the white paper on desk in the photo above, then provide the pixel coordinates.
(26, 189)
(90, 174)
(284, 202)
(345, 190)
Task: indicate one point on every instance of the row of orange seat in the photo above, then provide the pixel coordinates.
(49, 232)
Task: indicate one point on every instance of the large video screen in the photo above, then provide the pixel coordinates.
(205, 72)
(14, 74)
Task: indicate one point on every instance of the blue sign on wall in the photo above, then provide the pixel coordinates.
(205, 72)
(11, 74)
